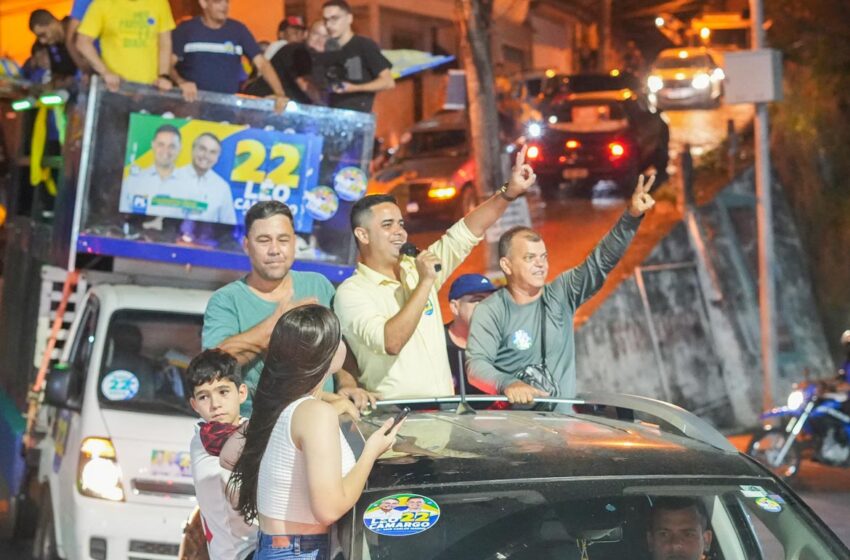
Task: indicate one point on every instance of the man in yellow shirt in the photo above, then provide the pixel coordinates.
(389, 310)
(135, 39)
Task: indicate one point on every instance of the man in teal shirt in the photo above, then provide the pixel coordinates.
(506, 332)
(240, 316)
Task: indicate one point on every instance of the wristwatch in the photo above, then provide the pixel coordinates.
(503, 192)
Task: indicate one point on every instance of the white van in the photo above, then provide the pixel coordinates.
(114, 471)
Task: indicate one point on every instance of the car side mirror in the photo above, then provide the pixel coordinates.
(58, 387)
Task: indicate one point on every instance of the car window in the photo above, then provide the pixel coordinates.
(534, 86)
(589, 115)
(589, 519)
(693, 61)
(436, 142)
(144, 358)
(81, 349)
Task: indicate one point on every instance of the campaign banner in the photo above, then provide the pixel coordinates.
(205, 171)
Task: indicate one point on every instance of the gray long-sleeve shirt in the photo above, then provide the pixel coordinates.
(504, 336)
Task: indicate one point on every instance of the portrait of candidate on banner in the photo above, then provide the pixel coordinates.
(193, 191)
(190, 169)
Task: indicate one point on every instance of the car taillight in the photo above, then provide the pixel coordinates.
(616, 151)
(572, 144)
(533, 153)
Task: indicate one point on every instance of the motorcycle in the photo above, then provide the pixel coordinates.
(813, 423)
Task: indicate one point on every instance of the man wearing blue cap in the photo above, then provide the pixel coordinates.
(465, 293)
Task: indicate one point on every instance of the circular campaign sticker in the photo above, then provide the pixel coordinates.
(119, 385)
(769, 505)
(350, 183)
(401, 515)
(322, 203)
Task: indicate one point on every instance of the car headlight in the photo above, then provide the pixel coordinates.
(654, 83)
(534, 130)
(701, 81)
(99, 475)
(795, 400)
(718, 75)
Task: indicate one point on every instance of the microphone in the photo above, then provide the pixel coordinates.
(412, 250)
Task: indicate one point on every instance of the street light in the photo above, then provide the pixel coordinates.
(659, 21)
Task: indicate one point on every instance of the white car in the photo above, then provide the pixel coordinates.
(114, 474)
(685, 78)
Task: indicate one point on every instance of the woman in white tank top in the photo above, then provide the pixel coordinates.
(296, 473)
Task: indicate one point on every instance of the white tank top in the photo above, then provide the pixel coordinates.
(282, 491)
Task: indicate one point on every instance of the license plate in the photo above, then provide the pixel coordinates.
(679, 93)
(575, 173)
(412, 207)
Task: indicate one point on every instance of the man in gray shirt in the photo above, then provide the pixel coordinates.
(505, 335)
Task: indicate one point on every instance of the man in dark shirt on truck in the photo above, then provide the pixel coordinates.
(356, 70)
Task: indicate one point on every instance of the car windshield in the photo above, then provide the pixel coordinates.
(589, 519)
(588, 115)
(583, 83)
(434, 143)
(144, 358)
(694, 61)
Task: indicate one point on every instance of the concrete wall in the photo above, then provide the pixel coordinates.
(702, 307)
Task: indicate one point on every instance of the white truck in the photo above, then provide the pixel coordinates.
(101, 469)
(114, 477)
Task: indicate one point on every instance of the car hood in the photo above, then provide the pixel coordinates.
(153, 452)
(415, 169)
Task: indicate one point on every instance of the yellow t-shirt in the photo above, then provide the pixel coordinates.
(129, 35)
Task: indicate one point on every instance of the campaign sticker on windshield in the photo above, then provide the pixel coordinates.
(401, 515)
(769, 505)
(753, 491)
(119, 385)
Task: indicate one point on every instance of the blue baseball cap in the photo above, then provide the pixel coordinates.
(470, 284)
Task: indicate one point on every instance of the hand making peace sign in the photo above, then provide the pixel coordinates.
(641, 199)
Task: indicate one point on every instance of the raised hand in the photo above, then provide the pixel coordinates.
(641, 199)
(522, 176)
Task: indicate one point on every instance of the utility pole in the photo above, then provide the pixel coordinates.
(475, 18)
(764, 221)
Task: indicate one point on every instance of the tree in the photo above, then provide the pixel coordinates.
(475, 20)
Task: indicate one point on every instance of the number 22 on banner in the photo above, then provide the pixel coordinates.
(249, 171)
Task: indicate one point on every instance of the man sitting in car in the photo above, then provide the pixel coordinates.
(678, 529)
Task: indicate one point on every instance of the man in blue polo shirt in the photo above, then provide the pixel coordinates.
(208, 52)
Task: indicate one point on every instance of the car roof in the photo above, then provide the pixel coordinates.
(446, 120)
(442, 447)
